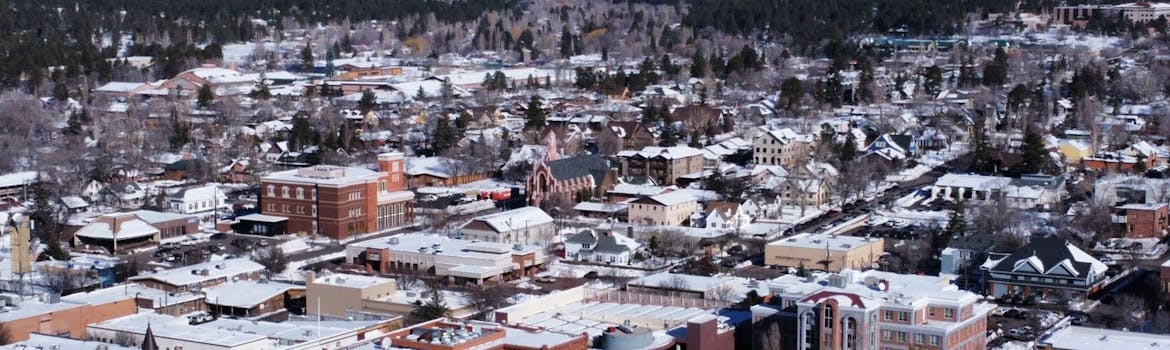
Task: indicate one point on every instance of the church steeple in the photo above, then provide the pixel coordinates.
(148, 342)
(552, 152)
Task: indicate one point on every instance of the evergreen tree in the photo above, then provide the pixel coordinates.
(847, 151)
(1139, 167)
(368, 102)
(982, 160)
(932, 80)
(420, 94)
(446, 92)
(1035, 156)
(307, 58)
(435, 307)
(650, 115)
(535, 115)
(180, 132)
(60, 92)
(956, 222)
(205, 97)
(791, 92)
(301, 135)
(699, 66)
(669, 135)
(444, 136)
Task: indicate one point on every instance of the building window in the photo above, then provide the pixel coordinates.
(902, 337)
(300, 193)
(889, 316)
(314, 194)
(934, 340)
(284, 191)
(949, 313)
(903, 316)
(271, 191)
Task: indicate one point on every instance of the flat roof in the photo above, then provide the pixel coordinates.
(821, 241)
(215, 269)
(1088, 338)
(246, 294)
(178, 329)
(324, 175)
(352, 281)
(263, 218)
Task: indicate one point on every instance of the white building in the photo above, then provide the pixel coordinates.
(1143, 11)
(607, 247)
(521, 225)
(197, 200)
(472, 260)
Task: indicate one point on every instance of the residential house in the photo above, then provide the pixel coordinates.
(669, 209)
(605, 247)
(521, 225)
(629, 135)
(892, 147)
(197, 200)
(184, 169)
(809, 185)
(730, 216)
(16, 186)
(663, 164)
(127, 195)
(1045, 268)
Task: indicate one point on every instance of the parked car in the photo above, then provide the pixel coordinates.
(546, 279)
(591, 275)
(219, 236)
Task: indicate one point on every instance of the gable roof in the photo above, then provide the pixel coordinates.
(1044, 256)
(579, 166)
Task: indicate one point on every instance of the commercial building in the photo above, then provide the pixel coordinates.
(469, 260)
(873, 310)
(528, 225)
(347, 297)
(169, 332)
(1047, 269)
(117, 232)
(448, 334)
(662, 164)
(825, 252)
(199, 276)
(251, 299)
(53, 315)
(340, 202)
(1140, 12)
(1088, 338)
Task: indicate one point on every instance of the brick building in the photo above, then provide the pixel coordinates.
(1142, 220)
(340, 202)
(444, 334)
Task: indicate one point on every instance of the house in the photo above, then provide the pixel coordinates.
(808, 185)
(1142, 220)
(669, 209)
(185, 169)
(628, 135)
(128, 195)
(340, 202)
(730, 216)
(521, 225)
(824, 252)
(17, 185)
(74, 204)
(1047, 268)
(663, 164)
(1074, 150)
(974, 187)
(197, 200)
(893, 146)
(605, 247)
(783, 147)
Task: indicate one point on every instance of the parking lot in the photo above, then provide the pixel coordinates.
(193, 251)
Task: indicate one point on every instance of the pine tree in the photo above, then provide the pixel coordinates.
(421, 94)
(206, 96)
(368, 102)
(1035, 156)
(444, 136)
(307, 58)
(435, 307)
(669, 135)
(957, 221)
(791, 92)
(534, 117)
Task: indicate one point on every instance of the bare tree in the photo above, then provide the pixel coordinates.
(674, 285)
(61, 280)
(486, 298)
(272, 258)
(722, 293)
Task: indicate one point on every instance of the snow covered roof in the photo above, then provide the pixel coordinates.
(1087, 338)
(676, 152)
(18, 179)
(191, 275)
(433, 166)
(978, 182)
(515, 219)
(672, 198)
(119, 87)
(246, 294)
(117, 226)
(323, 175)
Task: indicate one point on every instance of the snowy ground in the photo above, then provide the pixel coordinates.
(557, 269)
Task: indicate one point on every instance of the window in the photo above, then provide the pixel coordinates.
(934, 340)
(920, 338)
(903, 316)
(931, 311)
(889, 316)
(382, 186)
(314, 194)
(902, 337)
(949, 313)
(300, 193)
(271, 191)
(887, 335)
(284, 191)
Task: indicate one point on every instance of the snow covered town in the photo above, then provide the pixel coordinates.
(618, 175)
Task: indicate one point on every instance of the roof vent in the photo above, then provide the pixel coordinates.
(393, 240)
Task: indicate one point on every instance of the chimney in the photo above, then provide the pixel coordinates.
(310, 277)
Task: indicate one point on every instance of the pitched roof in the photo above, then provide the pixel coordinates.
(1044, 256)
(579, 166)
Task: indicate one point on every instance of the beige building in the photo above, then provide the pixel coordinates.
(663, 164)
(341, 296)
(668, 209)
(809, 185)
(783, 147)
(824, 252)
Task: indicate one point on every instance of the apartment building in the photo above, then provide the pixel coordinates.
(669, 209)
(874, 310)
(340, 202)
(1139, 220)
(663, 164)
(783, 147)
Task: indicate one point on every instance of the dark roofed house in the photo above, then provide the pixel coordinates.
(1046, 268)
(606, 247)
(184, 169)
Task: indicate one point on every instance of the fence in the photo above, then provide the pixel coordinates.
(617, 296)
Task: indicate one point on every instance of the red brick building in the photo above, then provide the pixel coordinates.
(340, 202)
(1143, 220)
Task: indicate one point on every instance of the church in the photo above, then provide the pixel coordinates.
(573, 177)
